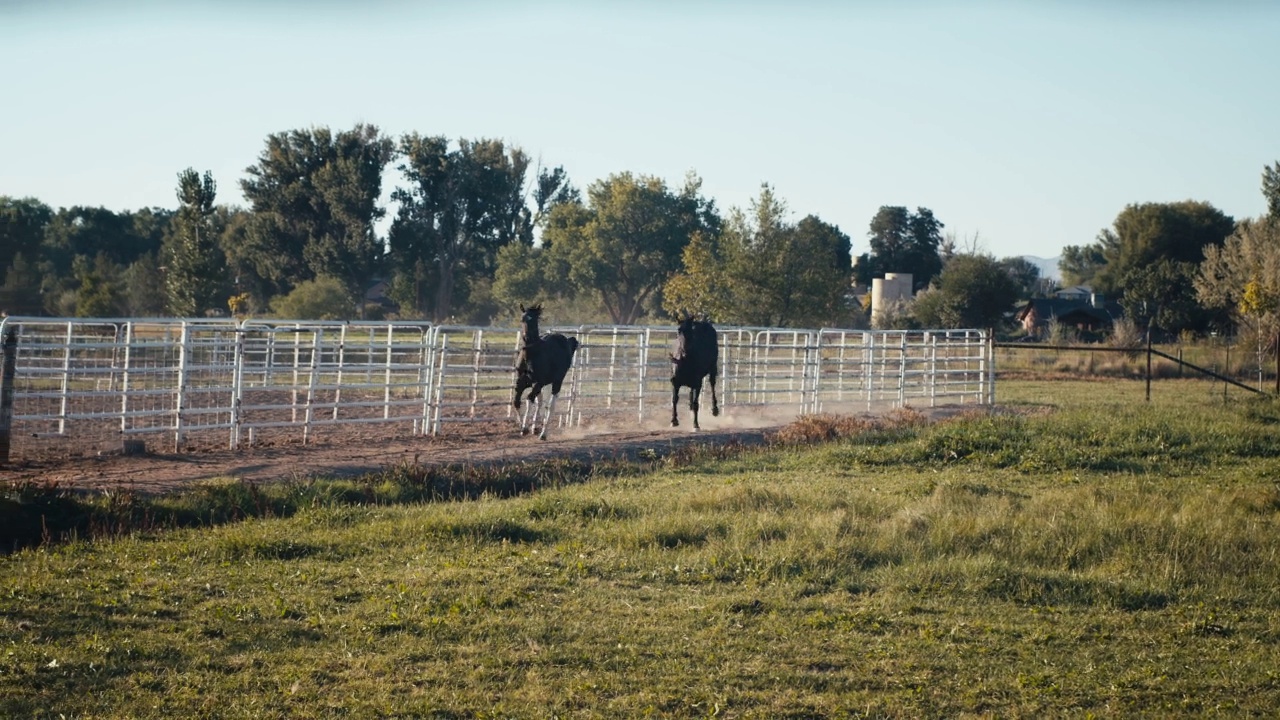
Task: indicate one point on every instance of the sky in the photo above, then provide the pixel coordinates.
(1024, 126)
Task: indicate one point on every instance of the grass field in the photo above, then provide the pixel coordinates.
(1089, 554)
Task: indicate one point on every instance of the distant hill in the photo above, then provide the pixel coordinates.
(1048, 266)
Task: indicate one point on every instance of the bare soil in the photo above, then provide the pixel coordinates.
(359, 450)
(366, 450)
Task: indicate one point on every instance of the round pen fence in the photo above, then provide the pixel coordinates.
(187, 384)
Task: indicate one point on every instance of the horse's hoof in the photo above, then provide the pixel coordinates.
(715, 411)
(675, 423)
(523, 432)
(542, 436)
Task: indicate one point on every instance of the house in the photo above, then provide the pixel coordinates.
(1076, 307)
(1075, 292)
(376, 295)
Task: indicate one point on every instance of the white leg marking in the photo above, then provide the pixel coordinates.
(547, 420)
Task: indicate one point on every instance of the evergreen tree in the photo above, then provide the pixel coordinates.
(194, 265)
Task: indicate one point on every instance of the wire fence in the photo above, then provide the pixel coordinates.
(197, 383)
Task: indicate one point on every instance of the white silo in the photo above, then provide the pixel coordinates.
(892, 288)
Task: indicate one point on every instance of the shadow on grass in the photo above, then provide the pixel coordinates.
(34, 514)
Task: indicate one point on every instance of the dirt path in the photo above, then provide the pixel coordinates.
(156, 472)
(359, 451)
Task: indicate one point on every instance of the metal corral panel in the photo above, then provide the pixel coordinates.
(209, 383)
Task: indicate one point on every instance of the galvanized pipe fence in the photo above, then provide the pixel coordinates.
(207, 383)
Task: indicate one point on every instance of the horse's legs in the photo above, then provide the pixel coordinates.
(546, 419)
(530, 414)
(675, 400)
(715, 403)
(522, 383)
(695, 393)
(551, 406)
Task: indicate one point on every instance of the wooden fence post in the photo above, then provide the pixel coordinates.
(8, 375)
(1148, 363)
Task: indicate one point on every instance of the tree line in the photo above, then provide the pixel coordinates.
(479, 227)
(1188, 268)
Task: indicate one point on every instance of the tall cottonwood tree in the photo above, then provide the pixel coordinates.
(1144, 234)
(704, 284)
(902, 242)
(194, 269)
(1147, 257)
(626, 242)
(460, 206)
(764, 270)
(314, 195)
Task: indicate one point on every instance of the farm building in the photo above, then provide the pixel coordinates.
(1074, 307)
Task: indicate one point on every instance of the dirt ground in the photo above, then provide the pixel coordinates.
(355, 452)
(367, 450)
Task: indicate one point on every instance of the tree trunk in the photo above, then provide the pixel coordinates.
(444, 292)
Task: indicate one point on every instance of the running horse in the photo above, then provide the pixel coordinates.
(696, 357)
(543, 360)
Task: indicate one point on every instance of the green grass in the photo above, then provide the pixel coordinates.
(1087, 555)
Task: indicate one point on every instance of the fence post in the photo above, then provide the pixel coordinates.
(8, 376)
(124, 378)
(990, 346)
(313, 374)
(1148, 363)
(180, 401)
(63, 403)
(237, 385)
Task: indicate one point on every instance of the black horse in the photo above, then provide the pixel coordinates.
(696, 357)
(543, 360)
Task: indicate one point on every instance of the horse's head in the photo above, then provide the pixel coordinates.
(684, 338)
(529, 322)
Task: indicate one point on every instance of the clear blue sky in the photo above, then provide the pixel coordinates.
(1029, 125)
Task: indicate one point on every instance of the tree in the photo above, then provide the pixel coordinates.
(520, 275)
(20, 291)
(314, 196)
(1271, 189)
(22, 227)
(1024, 273)
(324, 298)
(624, 245)
(141, 279)
(1079, 264)
(704, 284)
(101, 290)
(972, 291)
(459, 209)
(81, 231)
(763, 270)
(195, 269)
(903, 242)
(1144, 234)
(1243, 276)
(1162, 295)
(149, 227)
